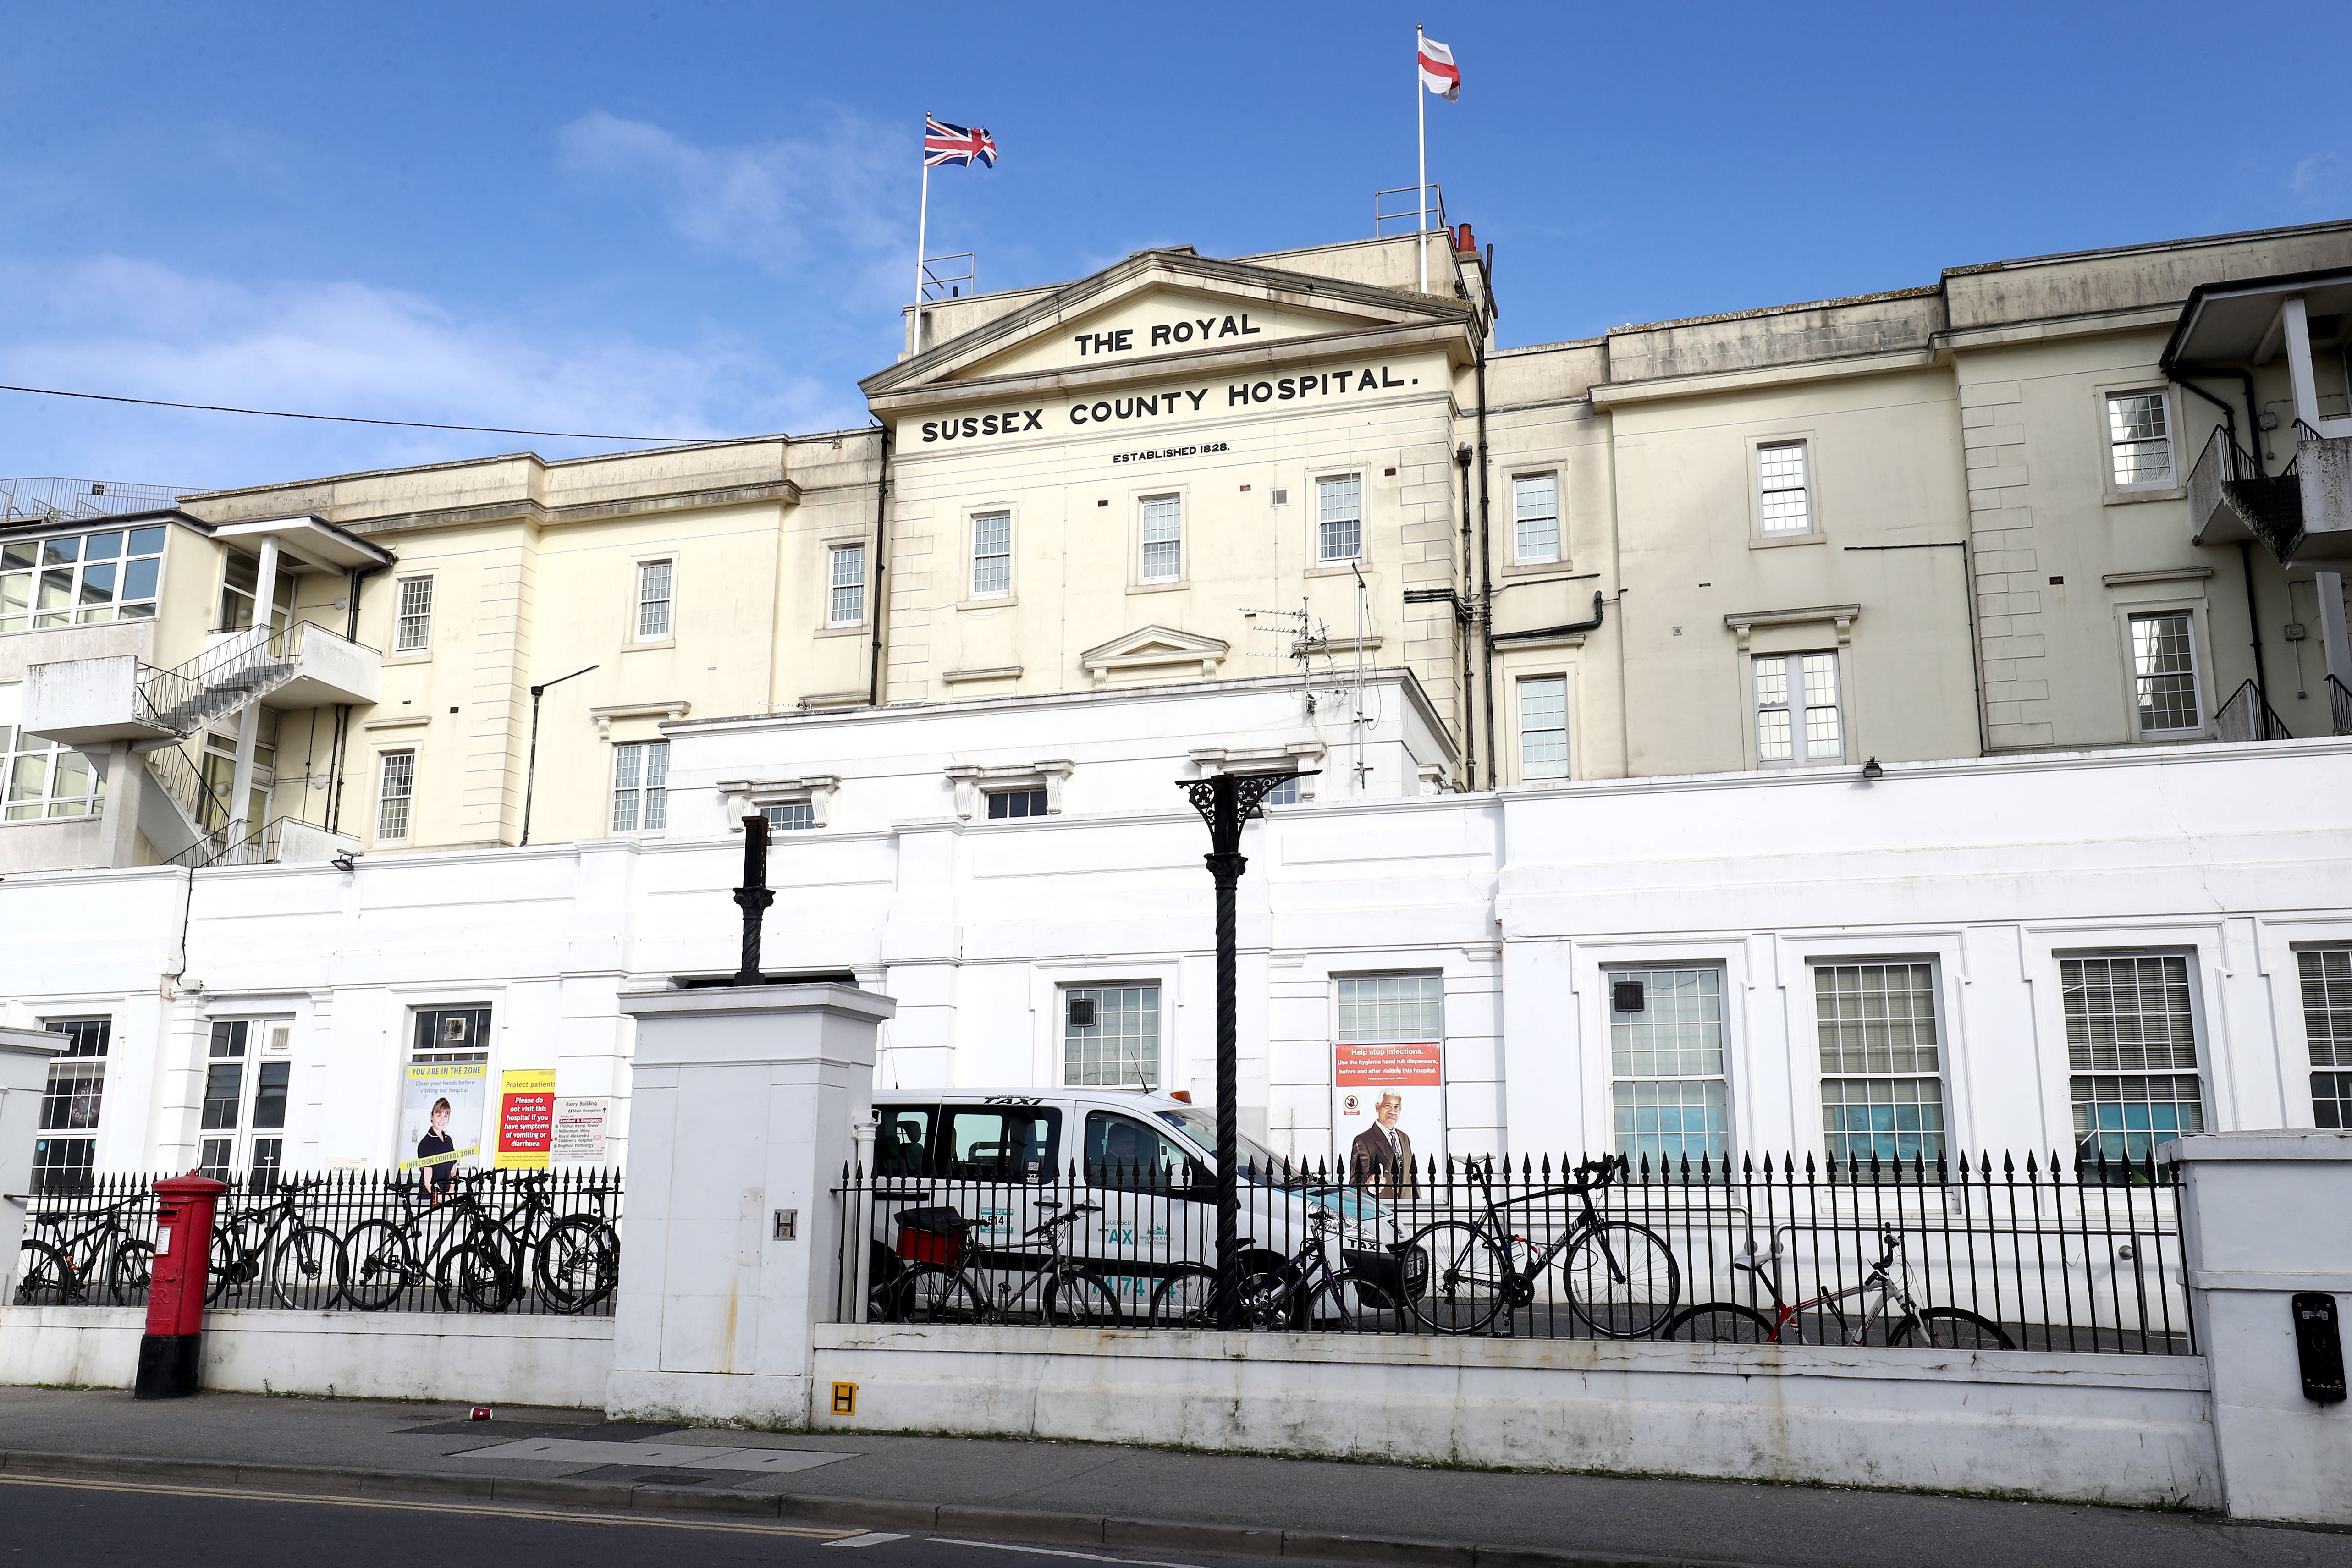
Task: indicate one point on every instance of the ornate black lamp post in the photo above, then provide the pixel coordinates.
(1226, 800)
(754, 896)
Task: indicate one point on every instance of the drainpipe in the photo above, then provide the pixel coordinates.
(881, 533)
(1599, 609)
(1461, 455)
(1486, 576)
(2245, 554)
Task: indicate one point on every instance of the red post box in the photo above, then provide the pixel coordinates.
(171, 1355)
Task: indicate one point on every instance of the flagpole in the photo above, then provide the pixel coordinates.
(1421, 192)
(922, 232)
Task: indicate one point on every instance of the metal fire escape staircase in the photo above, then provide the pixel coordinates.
(219, 684)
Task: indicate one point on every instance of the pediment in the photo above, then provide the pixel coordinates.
(1159, 307)
(1150, 649)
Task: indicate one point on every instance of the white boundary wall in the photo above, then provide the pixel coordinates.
(2108, 1428)
(481, 1360)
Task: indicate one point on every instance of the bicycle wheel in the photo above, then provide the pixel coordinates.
(1454, 1276)
(46, 1277)
(1330, 1308)
(1955, 1328)
(481, 1276)
(377, 1265)
(928, 1293)
(1621, 1278)
(1076, 1300)
(306, 1269)
(233, 1268)
(130, 1273)
(579, 1263)
(1186, 1298)
(1719, 1322)
(1265, 1300)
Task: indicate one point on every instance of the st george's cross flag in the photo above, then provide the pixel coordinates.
(944, 144)
(1439, 74)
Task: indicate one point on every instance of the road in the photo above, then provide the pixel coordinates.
(120, 1525)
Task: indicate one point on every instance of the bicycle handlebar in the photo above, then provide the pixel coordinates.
(1076, 1209)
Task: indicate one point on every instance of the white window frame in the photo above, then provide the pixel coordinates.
(1063, 1070)
(18, 749)
(73, 1101)
(2113, 444)
(1616, 970)
(1867, 1074)
(411, 614)
(1002, 557)
(835, 585)
(1767, 485)
(1798, 705)
(1528, 774)
(1144, 542)
(2200, 1038)
(2133, 616)
(1325, 485)
(268, 1041)
(385, 770)
(26, 565)
(641, 786)
(655, 571)
(1520, 554)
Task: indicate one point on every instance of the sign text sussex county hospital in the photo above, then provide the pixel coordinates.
(1151, 405)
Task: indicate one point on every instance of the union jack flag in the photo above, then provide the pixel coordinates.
(945, 143)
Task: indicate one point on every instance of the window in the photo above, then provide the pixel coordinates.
(788, 816)
(1797, 692)
(1881, 1089)
(67, 1151)
(2164, 672)
(1163, 540)
(1002, 803)
(79, 579)
(1338, 518)
(219, 772)
(641, 786)
(2139, 444)
(653, 599)
(241, 582)
(1667, 1056)
(412, 618)
(42, 779)
(1013, 1142)
(248, 1071)
(1543, 727)
(1121, 1046)
(1283, 794)
(902, 1139)
(1123, 1153)
(1378, 1009)
(395, 785)
(2132, 1043)
(1784, 496)
(847, 605)
(991, 555)
(1534, 503)
(2326, 976)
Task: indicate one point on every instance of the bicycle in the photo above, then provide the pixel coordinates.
(270, 1243)
(386, 1259)
(57, 1272)
(942, 1285)
(1302, 1290)
(1619, 1278)
(1738, 1323)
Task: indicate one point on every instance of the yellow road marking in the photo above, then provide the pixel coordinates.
(243, 1494)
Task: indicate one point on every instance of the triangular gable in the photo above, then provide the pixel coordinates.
(1163, 289)
(1147, 649)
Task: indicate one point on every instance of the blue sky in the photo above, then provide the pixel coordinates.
(687, 220)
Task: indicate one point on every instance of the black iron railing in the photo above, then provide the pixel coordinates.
(534, 1242)
(2246, 716)
(2339, 705)
(1990, 1252)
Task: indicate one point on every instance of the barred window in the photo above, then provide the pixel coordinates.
(641, 786)
(790, 816)
(1666, 1058)
(1535, 506)
(411, 624)
(1164, 541)
(1120, 1048)
(1382, 1008)
(1338, 518)
(2131, 1040)
(2138, 444)
(2164, 668)
(652, 600)
(395, 786)
(1797, 696)
(1879, 1021)
(847, 603)
(79, 579)
(1784, 495)
(1543, 727)
(991, 555)
(2326, 977)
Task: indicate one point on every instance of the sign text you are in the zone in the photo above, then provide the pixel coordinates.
(1157, 405)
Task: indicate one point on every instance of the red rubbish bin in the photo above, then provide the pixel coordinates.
(171, 1354)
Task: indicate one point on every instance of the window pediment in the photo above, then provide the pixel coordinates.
(1175, 655)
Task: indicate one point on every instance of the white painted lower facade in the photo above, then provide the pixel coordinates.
(1521, 903)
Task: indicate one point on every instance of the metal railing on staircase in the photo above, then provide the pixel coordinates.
(2339, 702)
(2246, 716)
(185, 783)
(225, 677)
(259, 847)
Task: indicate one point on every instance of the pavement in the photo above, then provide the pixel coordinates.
(1100, 1501)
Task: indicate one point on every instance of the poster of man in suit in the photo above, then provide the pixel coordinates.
(1388, 1115)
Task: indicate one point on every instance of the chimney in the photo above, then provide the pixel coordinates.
(1464, 242)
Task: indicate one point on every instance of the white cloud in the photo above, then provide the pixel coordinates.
(141, 330)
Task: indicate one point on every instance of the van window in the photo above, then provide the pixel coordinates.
(1003, 1142)
(902, 1139)
(1122, 1152)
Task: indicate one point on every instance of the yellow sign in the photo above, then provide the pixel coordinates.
(526, 1118)
(844, 1399)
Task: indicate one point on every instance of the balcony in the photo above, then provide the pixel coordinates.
(91, 701)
